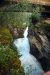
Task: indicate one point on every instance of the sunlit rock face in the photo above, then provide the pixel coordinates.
(30, 64)
(42, 2)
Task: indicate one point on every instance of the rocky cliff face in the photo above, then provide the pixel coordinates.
(40, 48)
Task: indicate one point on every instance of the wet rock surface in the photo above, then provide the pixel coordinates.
(40, 48)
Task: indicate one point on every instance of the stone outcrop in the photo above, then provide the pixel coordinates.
(40, 48)
(41, 42)
(16, 32)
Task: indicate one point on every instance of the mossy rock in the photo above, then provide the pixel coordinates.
(5, 36)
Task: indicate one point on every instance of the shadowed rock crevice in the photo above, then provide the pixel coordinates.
(40, 48)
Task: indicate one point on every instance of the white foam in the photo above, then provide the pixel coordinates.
(29, 62)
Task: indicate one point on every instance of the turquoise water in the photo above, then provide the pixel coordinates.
(30, 64)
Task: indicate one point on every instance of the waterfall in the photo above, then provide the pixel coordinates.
(30, 64)
(25, 33)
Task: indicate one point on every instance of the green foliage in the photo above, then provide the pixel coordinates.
(37, 13)
(17, 19)
(36, 18)
(5, 35)
(20, 7)
(9, 62)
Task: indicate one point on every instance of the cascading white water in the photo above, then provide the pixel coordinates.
(25, 33)
(30, 64)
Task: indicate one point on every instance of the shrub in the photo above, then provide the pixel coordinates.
(9, 62)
